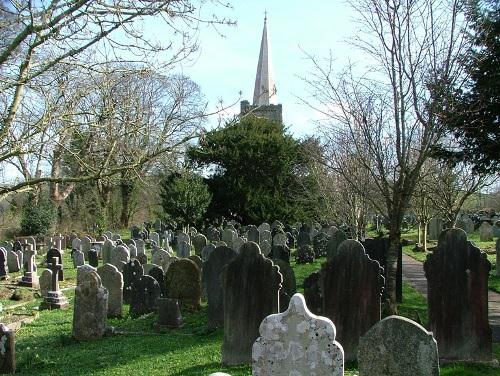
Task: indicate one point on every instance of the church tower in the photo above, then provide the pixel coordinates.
(265, 100)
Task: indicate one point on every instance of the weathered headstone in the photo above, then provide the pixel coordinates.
(264, 227)
(435, 228)
(352, 285)
(266, 236)
(7, 350)
(86, 240)
(169, 314)
(76, 244)
(229, 236)
(120, 255)
(13, 262)
(398, 346)
(45, 282)
(289, 285)
(238, 242)
(281, 252)
(183, 282)
(154, 236)
(90, 311)
(251, 285)
(158, 274)
(312, 292)
(211, 278)
(112, 280)
(107, 250)
(280, 239)
(485, 232)
(207, 251)
(457, 280)
(297, 342)
(81, 271)
(4, 268)
(30, 277)
(253, 234)
(265, 247)
(139, 244)
(183, 249)
(78, 258)
(303, 239)
(320, 242)
(162, 258)
(199, 241)
(144, 296)
(132, 271)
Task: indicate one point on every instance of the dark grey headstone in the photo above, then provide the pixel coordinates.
(303, 239)
(211, 279)
(320, 242)
(169, 314)
(333, 244)
(8, 350)
(183, 282)
(4, 269)
(312, 292)
(457, 282)
(352, 285)
(144, 296)
(93, 258)
(251, 284)
(132, 271)
(157, 273)
(281, 252)
(289, 285)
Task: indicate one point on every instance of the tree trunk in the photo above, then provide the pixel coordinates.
(425, 236)
(126, 188)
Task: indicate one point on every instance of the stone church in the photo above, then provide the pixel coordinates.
(265, 100)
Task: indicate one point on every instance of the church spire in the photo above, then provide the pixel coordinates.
(265, 89)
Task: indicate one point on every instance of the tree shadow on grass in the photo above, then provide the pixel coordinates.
(208, 368)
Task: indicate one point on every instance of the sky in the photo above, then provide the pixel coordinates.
(226, 65)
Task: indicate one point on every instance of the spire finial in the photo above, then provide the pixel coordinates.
(265, 15)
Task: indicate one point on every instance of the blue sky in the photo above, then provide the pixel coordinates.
(227, 65)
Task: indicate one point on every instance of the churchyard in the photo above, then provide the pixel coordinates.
(194, 335)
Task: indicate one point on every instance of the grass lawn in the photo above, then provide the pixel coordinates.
(45, 346)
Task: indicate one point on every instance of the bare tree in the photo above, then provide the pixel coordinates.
(43, 42)
(386, 112)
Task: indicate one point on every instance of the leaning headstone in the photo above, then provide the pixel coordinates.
(352, 285)
(90, 311)
(13, 262)
(333, 244)
(485, 232)
(4, 268)
(142, 258)
(55, 298)
(251, 285)
(207, 251)
(7, 350)
(211, 278)
(457, 282)
(112, 280)
(132, 271)
(297, 342)
(78, 258)
(183, 282)
(20, 256)
(144, 296)
(398, 346)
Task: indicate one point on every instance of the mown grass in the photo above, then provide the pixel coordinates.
(45, 346)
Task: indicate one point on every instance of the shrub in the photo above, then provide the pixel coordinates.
(37, 218)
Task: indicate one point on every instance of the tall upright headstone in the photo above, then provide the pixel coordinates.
(30, 277)
(457, 300)
(132, 271)
(183, 282)
(112, 280)
(7, 350)
(352, 285)
(333, 244)
(251, 285)
(4, 268)
(297, 342)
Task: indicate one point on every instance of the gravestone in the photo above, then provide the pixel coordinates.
(45, 282)
(377, 249)
(266, 236)
(435, 228)
(169, 314)
(154, 236)
(120, 255)
(333, 244)
(132, 271)
(297, 342)
(213, 234)
(264, 227)
(207, 251)
(162, 258)
(485, 232)
(280, 239)
(107, 250)
(183, 282)
(229, 236)
(144, 296)
(139, 244)
(312, 292)
(253, 234)
(352, 285)
(183, 249)
(81, 271)
(7, 350)
(251, 285)
(93, 258)
(496, 229)
(183, 237)
(90, 311)
(199, 241)
(20, 257)
(198, 261)
(265, 247)
(133, 250)
(30, 277)
(112, 280)
(398, 346)
(76, 244)
(142, 258)
(4, 268)
(320, 242)
(303, 239)
(289, 284)
(78, 258)
(157, 273)
(237, 243)
(86, 240)
(13, 262)
(55, 252)
(211, 279)
(457, 283)
(55, 298)
(280, 252)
